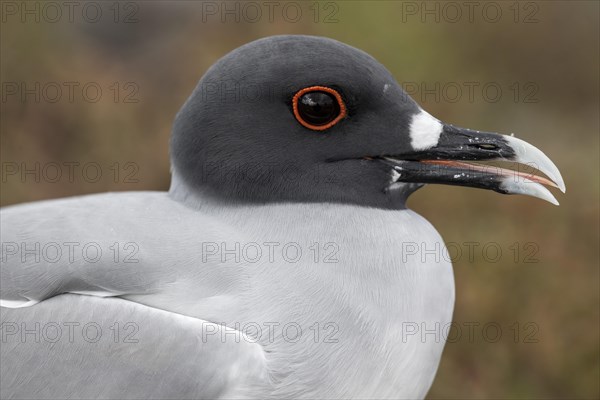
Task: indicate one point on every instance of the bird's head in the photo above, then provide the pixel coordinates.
(310, 119)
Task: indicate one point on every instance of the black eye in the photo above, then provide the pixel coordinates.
(318, 107)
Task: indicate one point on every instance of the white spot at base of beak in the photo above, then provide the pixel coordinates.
(395, 176)
(386, 87)
(425, 131)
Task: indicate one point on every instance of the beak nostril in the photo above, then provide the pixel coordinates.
(486, 146)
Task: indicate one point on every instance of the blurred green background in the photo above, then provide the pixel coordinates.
(533, 68)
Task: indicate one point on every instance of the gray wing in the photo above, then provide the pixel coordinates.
(138, 245)
(74, 346)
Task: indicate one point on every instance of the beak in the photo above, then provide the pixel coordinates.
(448, 162)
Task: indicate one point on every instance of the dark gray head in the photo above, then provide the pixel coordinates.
(252, 132)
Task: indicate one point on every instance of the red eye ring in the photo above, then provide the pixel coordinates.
(324, 89)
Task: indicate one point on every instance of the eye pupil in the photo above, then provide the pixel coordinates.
(318, 108)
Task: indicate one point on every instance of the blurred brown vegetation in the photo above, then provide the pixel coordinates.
(169, 47)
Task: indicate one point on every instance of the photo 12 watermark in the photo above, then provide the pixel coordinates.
(269, 252)
(470, 332)
(470, 251)
(69, 172)
(452, 12)
(53, 12)
(252, 12)
(271, 332)
(70, 92)
(265, 171)
(71, 252)
(69, 332)
(472, 92)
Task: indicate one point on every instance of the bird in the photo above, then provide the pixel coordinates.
(276, 264)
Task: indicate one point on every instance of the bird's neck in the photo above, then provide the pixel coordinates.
(182, 192)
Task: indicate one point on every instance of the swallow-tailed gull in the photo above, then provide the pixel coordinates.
(276, 266)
